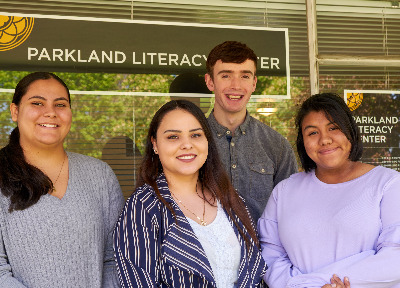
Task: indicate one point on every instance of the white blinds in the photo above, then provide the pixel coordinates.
(356, 27)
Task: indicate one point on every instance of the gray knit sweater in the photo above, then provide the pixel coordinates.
(64, 242)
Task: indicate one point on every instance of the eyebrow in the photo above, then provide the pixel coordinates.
(309, 126)
(42, 98)
(312, 126)
(179, 131)
(241, 71)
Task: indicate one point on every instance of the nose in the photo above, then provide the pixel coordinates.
(235, 82)
(186, 143)
(325, 139)
(50, 111)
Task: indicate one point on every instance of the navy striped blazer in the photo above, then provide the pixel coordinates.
(155, 250)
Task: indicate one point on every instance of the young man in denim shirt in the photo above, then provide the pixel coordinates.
(255, 156)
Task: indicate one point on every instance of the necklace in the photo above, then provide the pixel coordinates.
(53, 189)
(202, 222)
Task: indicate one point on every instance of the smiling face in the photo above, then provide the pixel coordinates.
(43, 115)
(325, 143)
(233, 85)
(181, 144)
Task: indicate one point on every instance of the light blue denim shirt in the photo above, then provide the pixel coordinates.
(256, 159)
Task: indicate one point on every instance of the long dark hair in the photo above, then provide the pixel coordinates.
(211, 175)
(22, 182)
(336, 110)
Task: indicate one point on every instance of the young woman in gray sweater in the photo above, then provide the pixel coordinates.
(57, 209)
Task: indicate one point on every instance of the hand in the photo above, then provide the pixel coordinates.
(337, 283)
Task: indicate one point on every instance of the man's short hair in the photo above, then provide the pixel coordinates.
(229, 52)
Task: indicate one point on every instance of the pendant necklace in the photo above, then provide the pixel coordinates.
(53, 189)
(202, 222)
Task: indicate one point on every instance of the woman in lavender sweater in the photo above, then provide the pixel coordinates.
(338, 222)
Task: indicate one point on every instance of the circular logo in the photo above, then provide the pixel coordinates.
(354, 100)
(14, 31)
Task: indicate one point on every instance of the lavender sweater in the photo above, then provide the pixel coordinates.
(311, 230)
(67, 242)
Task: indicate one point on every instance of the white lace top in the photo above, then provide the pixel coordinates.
(222, 248)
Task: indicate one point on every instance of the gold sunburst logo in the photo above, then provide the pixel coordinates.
(14, 31)
(354, 100)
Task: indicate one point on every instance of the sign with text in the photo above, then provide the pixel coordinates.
(36, 42)
(377, 116)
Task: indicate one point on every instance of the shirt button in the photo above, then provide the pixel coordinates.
(232, 144)
(244, 132)
(234, 166)
(219, 135)
(228, 132)
(262, 170)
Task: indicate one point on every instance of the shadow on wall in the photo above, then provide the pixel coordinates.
(124, 158)
(190, 83)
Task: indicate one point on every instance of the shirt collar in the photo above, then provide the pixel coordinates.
(220, 130)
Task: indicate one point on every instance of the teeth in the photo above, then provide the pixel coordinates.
(234, 97)
(48, 125)
(186, 157)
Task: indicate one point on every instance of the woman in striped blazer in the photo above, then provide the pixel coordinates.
(185, 225)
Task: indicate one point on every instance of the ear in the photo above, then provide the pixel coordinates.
(14, 112)
(154, 142)
(209, 82)
(254, 83)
